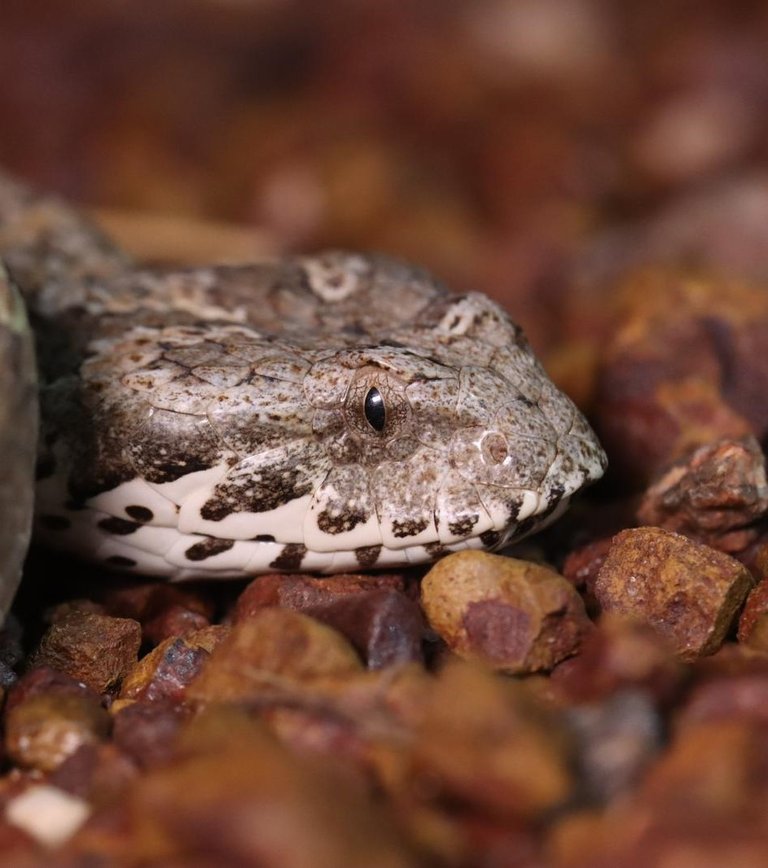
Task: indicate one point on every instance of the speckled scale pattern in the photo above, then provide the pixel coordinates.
(211, 421)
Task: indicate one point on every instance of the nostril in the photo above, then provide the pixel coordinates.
(494, 448)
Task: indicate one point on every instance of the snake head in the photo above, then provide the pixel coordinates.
(448, 435)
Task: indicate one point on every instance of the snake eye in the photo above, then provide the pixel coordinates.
(375, 411)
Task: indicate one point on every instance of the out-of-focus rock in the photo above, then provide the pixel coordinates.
(714, 495)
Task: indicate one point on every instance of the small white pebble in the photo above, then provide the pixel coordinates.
(47, 813)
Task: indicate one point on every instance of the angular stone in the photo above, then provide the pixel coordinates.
(714, 494)
(96, 649)
(165, 673)
(687, 591)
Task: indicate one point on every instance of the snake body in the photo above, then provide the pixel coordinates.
(18, 434)
(323, 413)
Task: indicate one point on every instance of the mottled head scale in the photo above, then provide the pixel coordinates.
(321, 413)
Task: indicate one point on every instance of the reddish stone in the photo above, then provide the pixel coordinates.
(753, 623)
(687, 591)
(165, 673)
(96, 649)
(714, 495)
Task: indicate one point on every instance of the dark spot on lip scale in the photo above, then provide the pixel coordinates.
(264, 537)
(207, 548)
(54, 522)
(290, 557)
(489, 538)
(341, 523)
(140, 513)
(367, 556)
(408, 527)
(463, 526)
(119, 526)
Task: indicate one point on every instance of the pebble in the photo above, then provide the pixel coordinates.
(511, 615)
(714, 495)
(98, 650)
(688, 592)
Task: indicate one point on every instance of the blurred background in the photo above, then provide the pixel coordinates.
(533, 149)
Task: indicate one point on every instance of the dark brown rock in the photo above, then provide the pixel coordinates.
(96, 649)
(714, 494)
(687, 591)
(582, 565)
(511, 615)
(385, 626)
(97, 772)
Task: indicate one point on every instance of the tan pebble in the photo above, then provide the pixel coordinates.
(509, 614)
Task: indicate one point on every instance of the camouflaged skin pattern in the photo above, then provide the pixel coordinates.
(18, 435)
(217, 421)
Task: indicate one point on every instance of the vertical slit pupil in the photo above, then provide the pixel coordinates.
(375, 412)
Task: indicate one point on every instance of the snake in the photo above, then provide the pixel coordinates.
(326, 413)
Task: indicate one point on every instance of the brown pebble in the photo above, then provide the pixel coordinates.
(511, 615)
(753, 623)
(96, 649)
(713, 495)
(49, 717)
(269, 650)
(687, 591)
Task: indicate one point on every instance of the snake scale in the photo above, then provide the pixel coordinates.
(320, 413)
